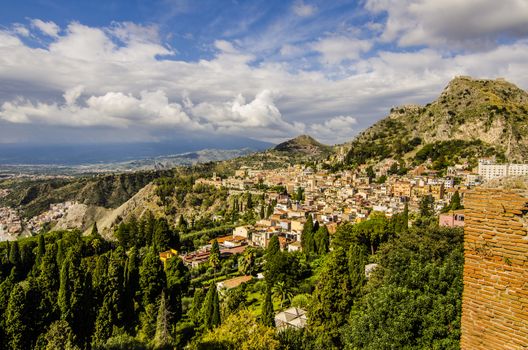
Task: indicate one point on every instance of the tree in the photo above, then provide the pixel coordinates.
(196, 306)
(14, 254)
(95, 230)
(454, 203)
(322, 240)
(284, 293)
(150, 277)
(16, 319)
(247, 262)
(370, 173)
(426, 206)
(131, 288)
(402, 311)
(307, 236)
(178, 279)
(273, 247)
(214, 257)
(41, 250)
(103, 323)
(210, 313)
(267, 316)
(240, 331)
(162, 336)
(332, 300)
(60, 337)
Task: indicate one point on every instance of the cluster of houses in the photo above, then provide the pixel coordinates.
(55, 212)
(11, 224)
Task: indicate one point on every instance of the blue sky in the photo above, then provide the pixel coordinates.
(131, 71)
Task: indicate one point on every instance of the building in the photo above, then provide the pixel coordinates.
(488, 170)
(291, 318)
(164, 256)
(453, 218)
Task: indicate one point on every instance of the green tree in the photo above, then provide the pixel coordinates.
(16, 319)
(178, 279)
(267, 315)
(214, 257)
(332, 300)
(284, 293)
(273, 247)
(60, 337)
(196, 306)
(210, 313)
(162, 337)
(14, 255)
(247, 262)
(322, 240)
(150, 277)
(240, 331)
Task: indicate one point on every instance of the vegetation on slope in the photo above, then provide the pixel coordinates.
(489, 116)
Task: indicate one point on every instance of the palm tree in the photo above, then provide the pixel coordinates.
(283, 292)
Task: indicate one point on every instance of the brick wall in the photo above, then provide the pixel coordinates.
(495, 297)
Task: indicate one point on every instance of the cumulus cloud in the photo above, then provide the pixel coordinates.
(335, 130)
(470, 23)
(49, 28)
(114, 109)
(124, 76)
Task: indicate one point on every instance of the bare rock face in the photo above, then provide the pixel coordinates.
(493, 113)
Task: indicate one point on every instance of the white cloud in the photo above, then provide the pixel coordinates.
(49, 28)
(114, 77)
(335, 130)
(466, 24)
(336, 49)
(21, 30)
(304, 10)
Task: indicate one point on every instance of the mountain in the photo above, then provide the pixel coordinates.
(303, 145)
(470, 119)
(82, 154)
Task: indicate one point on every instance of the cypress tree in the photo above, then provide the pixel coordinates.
(103, 323)
(14, 254)
(268, 315)
(150, 277)
(61, 255)
(307, 237)
(162, 336)
(41, 250)
(273, 247)
(131, 288)
(178, 279)
(322, 240)
(214, 257)
(196, 306)
(16, 319)
(210, 313)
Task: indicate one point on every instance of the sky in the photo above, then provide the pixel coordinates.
(147, 71)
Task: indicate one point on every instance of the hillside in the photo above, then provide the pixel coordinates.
(303, 145)
(471, 118)
(108, 191)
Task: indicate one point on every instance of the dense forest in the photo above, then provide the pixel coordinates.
(62, 290)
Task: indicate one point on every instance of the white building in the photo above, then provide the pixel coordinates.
(488, 170)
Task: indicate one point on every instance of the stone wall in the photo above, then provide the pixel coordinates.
(495, 297)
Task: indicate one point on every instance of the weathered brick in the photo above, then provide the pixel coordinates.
(495, 298)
